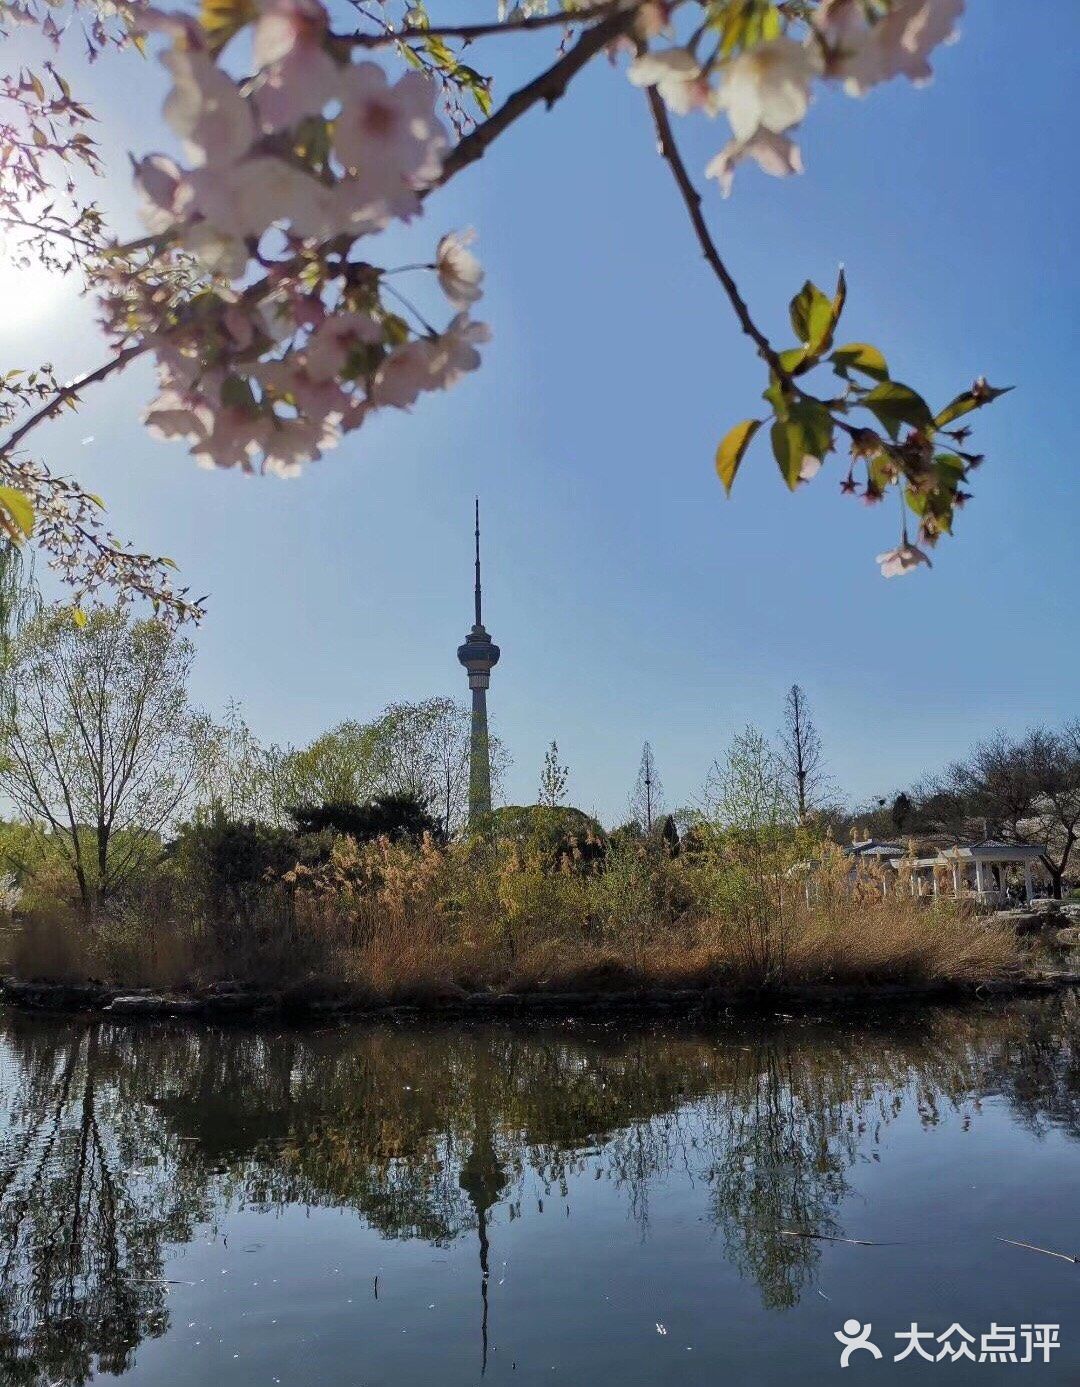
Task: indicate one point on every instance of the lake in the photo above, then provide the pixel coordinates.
(571, 1202)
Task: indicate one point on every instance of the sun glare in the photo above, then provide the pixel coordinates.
(29, 293)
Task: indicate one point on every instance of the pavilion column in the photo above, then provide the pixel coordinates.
(956, 879)
(1029, 890)
(979, 886)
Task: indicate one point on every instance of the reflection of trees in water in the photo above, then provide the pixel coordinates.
(1036, 1066)
(80, 1241)
(114, 1142)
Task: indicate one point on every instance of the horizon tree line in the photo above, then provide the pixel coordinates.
(102, 746)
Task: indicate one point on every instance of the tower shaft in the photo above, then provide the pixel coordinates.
(479, 760)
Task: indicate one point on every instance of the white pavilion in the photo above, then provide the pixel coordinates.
(990, 872)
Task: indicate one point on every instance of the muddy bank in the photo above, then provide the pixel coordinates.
(224, 1000)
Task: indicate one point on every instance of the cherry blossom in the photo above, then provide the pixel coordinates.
(205, 108)
(863, 54)
(455, 351)
(459, 271)
(388, 135)
(162, 194)
(768, 87)
(678, 78)
(220, 254)
(174, 415)
(335, 340)
(775, 154)
(903, 559)
(297, 76)
(406, 372)
(247, 197)
(292, 442)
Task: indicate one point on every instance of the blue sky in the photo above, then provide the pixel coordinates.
(632, 600)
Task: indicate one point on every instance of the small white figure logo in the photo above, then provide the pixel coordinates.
(855, 1336)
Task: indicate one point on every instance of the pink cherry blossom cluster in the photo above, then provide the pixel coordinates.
(288, 342)
(766, 88)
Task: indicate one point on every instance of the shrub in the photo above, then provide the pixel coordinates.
(397, 817)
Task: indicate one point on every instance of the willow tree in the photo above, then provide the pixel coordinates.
(261, 292)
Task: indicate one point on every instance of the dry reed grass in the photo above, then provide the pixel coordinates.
(396, 923)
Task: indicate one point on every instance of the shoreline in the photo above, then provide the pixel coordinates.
(229, 1001)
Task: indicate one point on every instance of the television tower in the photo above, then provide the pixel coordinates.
(479, 655)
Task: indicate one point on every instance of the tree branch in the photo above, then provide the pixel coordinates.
(669, 152)
(548, 87)
(71, 391)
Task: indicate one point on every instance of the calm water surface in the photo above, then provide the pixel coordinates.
(568, 1203)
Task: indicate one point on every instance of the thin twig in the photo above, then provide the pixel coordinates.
(467, 32)
(64, 232)
(1064, 1256)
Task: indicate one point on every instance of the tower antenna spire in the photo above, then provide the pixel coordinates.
(477, 589)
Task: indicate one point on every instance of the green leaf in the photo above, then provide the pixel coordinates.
(731, 450)
(814, 315)
(862, 357)
(809, 306)
(807, 432)
(439, 52)
(79, 617)
(792, 359)
(967, 401)
(221, 19)
(916, 500)
(951, 470)
(17, 507)
(893, 404)
(236, 393)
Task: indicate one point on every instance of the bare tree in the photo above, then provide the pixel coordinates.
(800, 754)
(1024, 790)
(99, 739)
(235, 774)
(646, 802)
(553, 777)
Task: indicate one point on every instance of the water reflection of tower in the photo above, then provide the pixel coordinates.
(483, 1179)
(479, 655)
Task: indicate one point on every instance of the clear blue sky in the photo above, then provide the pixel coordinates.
(630, 599)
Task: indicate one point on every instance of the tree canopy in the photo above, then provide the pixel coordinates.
(259, 288)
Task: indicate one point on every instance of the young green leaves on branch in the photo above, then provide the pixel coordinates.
(904, 444)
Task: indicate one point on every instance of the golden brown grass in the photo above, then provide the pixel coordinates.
(391, 922)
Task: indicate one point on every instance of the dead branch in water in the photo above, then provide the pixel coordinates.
(1064, 1256)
